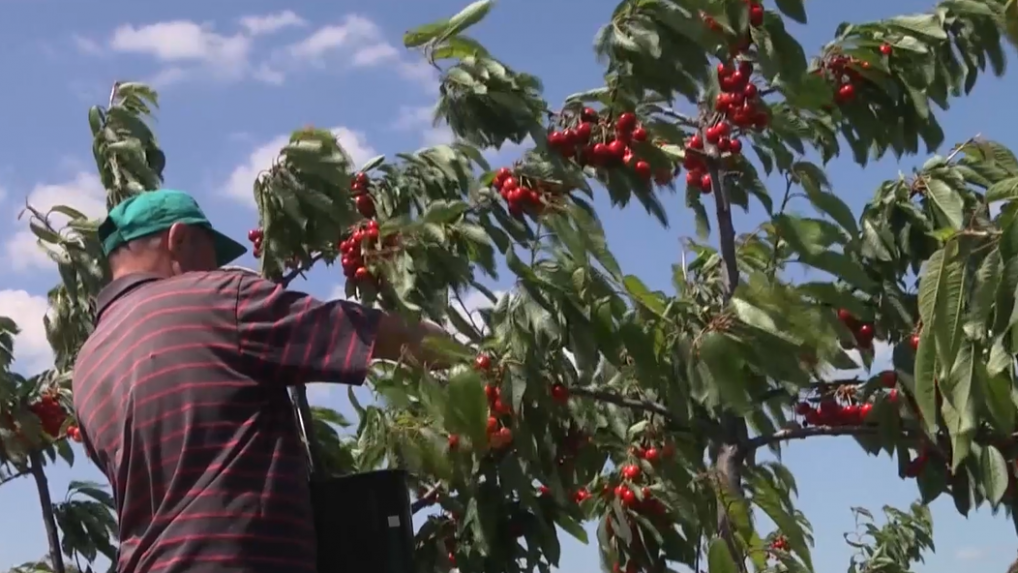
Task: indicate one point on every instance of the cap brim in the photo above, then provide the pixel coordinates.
(227, 250)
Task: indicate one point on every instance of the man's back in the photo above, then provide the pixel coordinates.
(206, 467)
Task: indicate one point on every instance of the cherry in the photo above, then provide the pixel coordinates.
(454, 441)
(724, 144)
(557, 139)
(865, 410)
(803, 408)
(643, 170)
(846, 93)
(509, 184)
(500, 407)
(560, 393)
(628, 498)
(600, 152)
(735, 147)
(749, 91)
(692, 178)
(492, 424)
(913, 341)
(631, 471)
(589, 114)
(582, 132)
(845, 316)
(706, 185)
(886, 49)
(756, 15)
(865, 332)
(503, 173)
(581, 495)
(366, 206)
(482, 362)
(640, 134)
(617, 149)
(888, 379)
(712, 135)
(362, 274)
(892, 396)
(543, 490)
(505, 436)
(491, 392)
(255, 235)
(651, 455)
(695, 142)
(626, 122)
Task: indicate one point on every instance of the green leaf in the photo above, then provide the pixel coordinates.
(719, 558)
(926, 380)
(947, 200)
(467, 406)
(994, 473)
(371, 164)
(642, 295)
(794, 9)
(467, 17)
(449, 348)
(837, 209)
(1005, 190)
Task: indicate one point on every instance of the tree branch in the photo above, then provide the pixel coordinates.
(425, 500)
(46, 504)
(619, 400)
(803, 433)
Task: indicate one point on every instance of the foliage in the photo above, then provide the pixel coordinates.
(583, 395)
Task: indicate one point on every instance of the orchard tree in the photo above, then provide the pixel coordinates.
(584, 395)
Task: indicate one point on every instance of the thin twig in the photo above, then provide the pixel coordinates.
(425, 500)
(292, 275)
(618, 400)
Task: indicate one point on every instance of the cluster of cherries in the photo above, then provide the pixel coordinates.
(519, 197)
(862, 331)
(832, 413)
(844, 72)
(51, 415)
(780, 543)
(365, 203)
(600, 142)
(352, 251)
(756, 17)
(500, 436)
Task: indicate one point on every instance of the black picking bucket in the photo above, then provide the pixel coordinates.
(363, 523)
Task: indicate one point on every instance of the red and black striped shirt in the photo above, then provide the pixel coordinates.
(181, 393)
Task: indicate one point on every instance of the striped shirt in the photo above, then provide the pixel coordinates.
(181, 395)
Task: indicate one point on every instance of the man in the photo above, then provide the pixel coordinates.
(181, 393)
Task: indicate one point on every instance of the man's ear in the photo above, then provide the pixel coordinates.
(177, 237)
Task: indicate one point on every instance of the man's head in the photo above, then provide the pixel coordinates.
(166, 233)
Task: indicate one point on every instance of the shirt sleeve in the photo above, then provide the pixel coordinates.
(291, 338)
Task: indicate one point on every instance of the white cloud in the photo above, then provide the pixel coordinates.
(239, 185)
(970, 554)
(353, 30)
(271, 23)
(84, 192)
(362, 42)
(87, 45)
(32, 352)
(421, 119)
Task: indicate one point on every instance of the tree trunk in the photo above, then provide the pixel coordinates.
(730, 457)
(46, 502)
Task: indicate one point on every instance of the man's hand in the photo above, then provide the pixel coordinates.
(397, 338)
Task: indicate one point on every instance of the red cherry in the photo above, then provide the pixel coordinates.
(589, 114)
(695, 142)
(482, 362)
(628, 498)
(735, 147)
(865, 410)
(756, 15)
(865, 332)
(626, 122)
(651, 455)
(724, 144)
(492, 424)
(845, 316)
(362, 274)
(556, 139)
(803, 408)
(366, 206)
(693, 178)
(505, 436)
(582, 132)
(888, 379)
(255, 235)
(509, 184)
(913, 341)
(712, 135)
(560, 393)
(454, 441)
(491, 392)
(706, 185)
(643, 170)
(543, 490)
(886, 49)
(617, 149)
(846, 93)
(631, 472)
(640, 134)
(723, 70)
(892, 396)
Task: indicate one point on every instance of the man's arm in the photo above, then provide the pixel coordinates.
(292, 338)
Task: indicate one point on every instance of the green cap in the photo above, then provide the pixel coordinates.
(156, 211)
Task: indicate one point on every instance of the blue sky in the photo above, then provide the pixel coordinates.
(235, 77)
